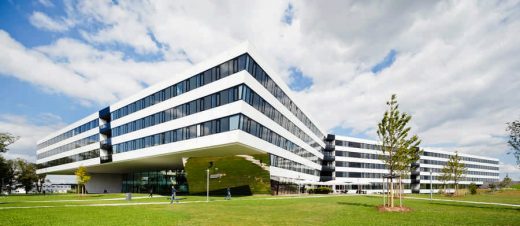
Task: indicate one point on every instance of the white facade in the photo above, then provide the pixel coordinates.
(232, 104)
(358, 162)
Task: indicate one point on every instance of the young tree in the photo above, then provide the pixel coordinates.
(514, 139)
(26, 174)
(456, 168)
(506, 182)
(82, 178)
(445, 176)
(401, 149)
(6, 139)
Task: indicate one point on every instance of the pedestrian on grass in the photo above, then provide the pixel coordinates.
(151, 193)
(228, 194)
(173, 194)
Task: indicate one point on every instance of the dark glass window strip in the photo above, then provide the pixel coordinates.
(211, 101)
(359, 155)
(213, 74)
(469, 159)
(469, 172)
(257, 102)
(263, 78)
(224, 124)
(442, 163)
(256, 129)
(432, 154)
(241, 92)
(427, 178)
(287, 164)
(73, 158)
(360, 165)
(360, 175)
(73, 145)
(358, 145)
(73, 132)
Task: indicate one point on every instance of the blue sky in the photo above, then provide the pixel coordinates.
(75, 57)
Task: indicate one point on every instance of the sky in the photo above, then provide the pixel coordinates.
(454, 65)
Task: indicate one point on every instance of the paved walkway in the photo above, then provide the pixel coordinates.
(157, 203)
(244, 199)
(90, 200)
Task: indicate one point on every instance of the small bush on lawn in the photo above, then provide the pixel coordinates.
(473, 188)
(320, 190)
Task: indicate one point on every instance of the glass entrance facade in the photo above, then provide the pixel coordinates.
(158, 181)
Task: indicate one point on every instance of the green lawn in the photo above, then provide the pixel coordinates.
(506, 196)
(252, 210)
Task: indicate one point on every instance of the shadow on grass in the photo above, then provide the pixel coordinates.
(476, 206)
(357, 204)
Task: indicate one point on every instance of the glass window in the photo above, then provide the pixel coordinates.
(233, 122)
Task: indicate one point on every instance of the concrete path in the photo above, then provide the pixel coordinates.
(244, 199)
(89, 200)
(159, 203)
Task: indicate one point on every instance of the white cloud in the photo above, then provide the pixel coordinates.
(28, 131)
(510, 170)
(79, 70)
(42, 21)
(456, 69)
(46, 3)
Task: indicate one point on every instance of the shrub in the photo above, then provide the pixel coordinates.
(492, 186)
(320, 190)
(473, 188)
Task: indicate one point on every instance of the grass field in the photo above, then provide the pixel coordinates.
(506, 196)
(249, 210)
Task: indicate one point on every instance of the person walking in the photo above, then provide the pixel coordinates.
(173, 194)
(228, 194)
(151, 193)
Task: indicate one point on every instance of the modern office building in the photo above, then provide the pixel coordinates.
(231, 118)
(358, 162)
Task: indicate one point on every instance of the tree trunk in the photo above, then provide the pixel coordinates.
(400, 193)
(391, 192)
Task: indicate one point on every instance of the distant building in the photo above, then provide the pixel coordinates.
(57, 188)
(228, 106)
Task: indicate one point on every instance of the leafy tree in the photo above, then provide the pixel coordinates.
(6, 139)
(456, 168)
(514, 139)
(401, 149)
(82, 178)
(7, 174)
(26, 174)
(506, 182)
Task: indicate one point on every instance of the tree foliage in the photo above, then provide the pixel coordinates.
(514, 139)
(6, 139)
(26, 174)
(82, 178)
(506, 182)
(7, 174)
(453, 170)
(401, 149)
